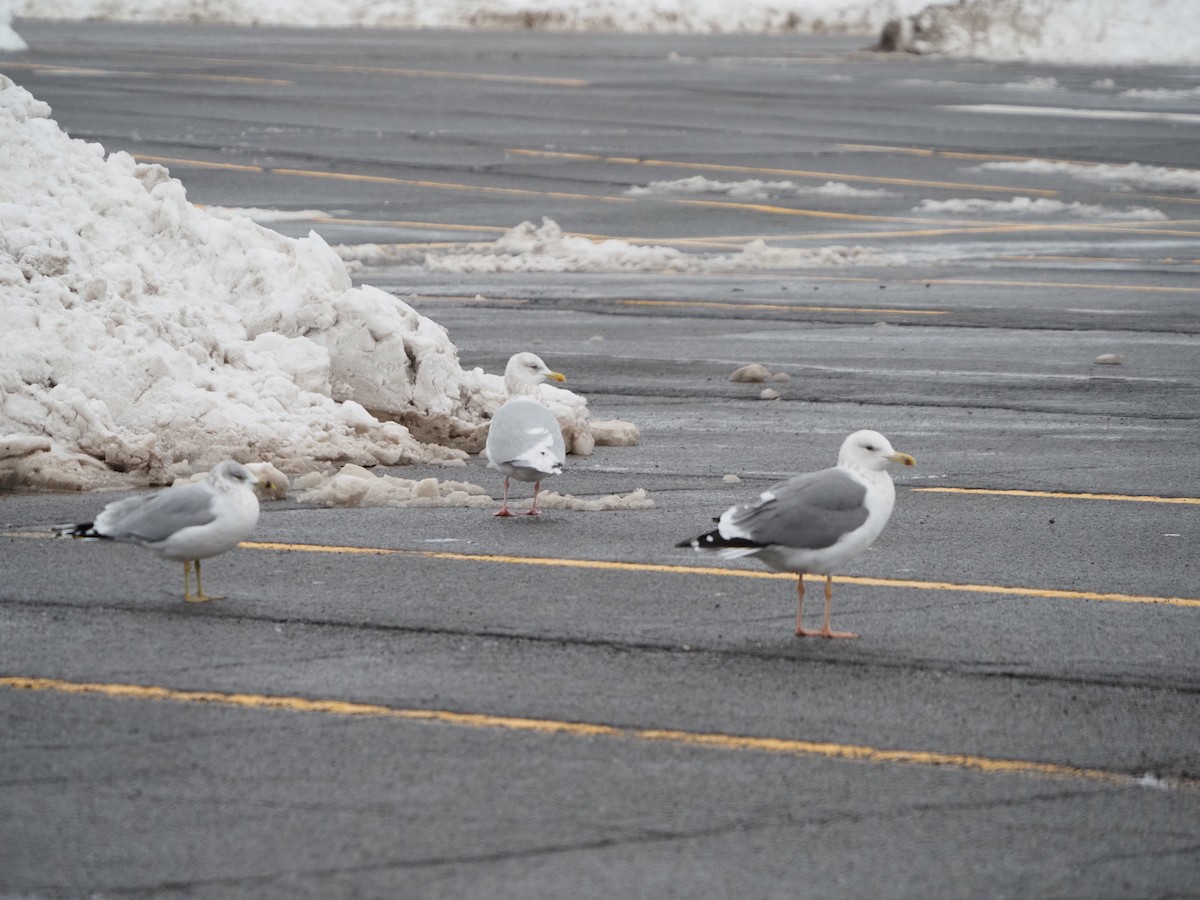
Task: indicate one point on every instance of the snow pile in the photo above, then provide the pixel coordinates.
(144, 336)
(675, 16)
(1027, 206)
(751, 189)
(545, 248)
(1126, 176)
(1088, 32)
(10, 41)
(356, 486)
(1162, 94)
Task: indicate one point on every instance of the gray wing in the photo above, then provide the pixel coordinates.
(525, 433)
(158, 516)
(807, 511)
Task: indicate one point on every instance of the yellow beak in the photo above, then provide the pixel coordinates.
(557, 376)
(902, 458)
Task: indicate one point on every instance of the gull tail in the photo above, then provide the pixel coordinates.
(730, 547)
(78, 530)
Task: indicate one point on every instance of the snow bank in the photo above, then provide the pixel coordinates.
(1126, 176)
(356, 486)
(10, 41)
(1028, 206)
(677, 16)
(146, 337)
(546, 248)
(751, 189)
(1086, 32)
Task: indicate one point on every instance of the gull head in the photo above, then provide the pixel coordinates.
(525, 371)
(230, 475)
(870, 451)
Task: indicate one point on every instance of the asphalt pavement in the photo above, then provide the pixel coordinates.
(439, 703)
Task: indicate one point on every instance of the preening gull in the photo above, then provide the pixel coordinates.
(185, 523)
(525, 441)
(815, 522)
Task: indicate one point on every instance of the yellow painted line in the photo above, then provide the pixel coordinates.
(378, 179)
(1091, 286)
(777, 307)
(92, 71)
(1065, 495)
(608, 565)
(711, 740)
(387, 70)
(794, 173)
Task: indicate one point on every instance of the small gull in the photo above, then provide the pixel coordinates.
(525, 441)
(815, 522)
(185, 523)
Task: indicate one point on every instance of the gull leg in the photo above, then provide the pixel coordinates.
(200, 596)
(825, 632)
(504, 503)
(800, 632)
(533, 509)
(187, 580)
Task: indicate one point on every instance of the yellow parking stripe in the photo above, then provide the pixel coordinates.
(1065, 495)
(608, 565)
(778, 307)
(713, 740)
(91, 72)
(794, 173)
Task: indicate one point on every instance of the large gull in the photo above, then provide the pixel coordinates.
(525, 441)
(815, 522)
(185, 523)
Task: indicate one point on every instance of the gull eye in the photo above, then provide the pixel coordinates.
(869, 447)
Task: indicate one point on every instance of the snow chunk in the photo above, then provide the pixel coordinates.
(1126, 177)
(751, 189)
(634, 500)
(1041, 206)
(355, 486)
(752, 373)
(546, 248)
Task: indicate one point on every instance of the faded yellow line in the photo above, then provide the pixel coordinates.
(181, 76)
(795, 173)
(1065, 495)
(377, 179)
(544, 81)
(608, 565)
(712, 740)
(777, 307)
(1091, 286)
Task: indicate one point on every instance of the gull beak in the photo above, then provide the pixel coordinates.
(902, 458)
(557, 376)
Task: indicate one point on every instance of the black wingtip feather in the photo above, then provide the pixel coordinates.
(713, 540)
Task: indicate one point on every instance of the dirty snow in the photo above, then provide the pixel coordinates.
(751, 189)
(1127, 176)
(1072, 32)
(355, 486)
(546, 248)
(675, 16)
(1042, 206)
(146, 337)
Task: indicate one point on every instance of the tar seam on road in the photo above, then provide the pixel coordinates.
(714, 740)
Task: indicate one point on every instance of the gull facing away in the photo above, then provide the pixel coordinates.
(185, 523)
(525, 441)
(815, 522)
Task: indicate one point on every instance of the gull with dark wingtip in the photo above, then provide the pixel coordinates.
(815, 522)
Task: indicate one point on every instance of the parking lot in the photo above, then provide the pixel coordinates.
(439, 703)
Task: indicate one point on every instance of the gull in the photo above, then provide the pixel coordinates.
(185, 523)
(525, 441)
(815, 522)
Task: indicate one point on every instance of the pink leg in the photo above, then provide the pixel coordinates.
(504, 503)
(533, 509)
(825, 631)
